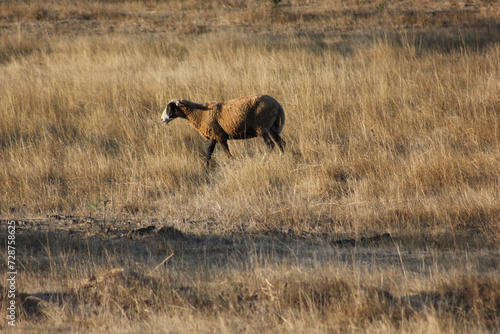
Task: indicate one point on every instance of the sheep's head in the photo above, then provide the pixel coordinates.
(173, 110)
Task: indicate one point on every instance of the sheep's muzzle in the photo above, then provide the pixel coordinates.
(165, 118)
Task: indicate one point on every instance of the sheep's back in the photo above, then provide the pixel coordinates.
(242, 117)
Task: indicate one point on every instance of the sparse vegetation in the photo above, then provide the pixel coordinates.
(393, 129)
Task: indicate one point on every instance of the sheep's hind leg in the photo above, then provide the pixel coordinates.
(265, 135)
(277, 138)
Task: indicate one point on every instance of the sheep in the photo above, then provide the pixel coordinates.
(241, 118)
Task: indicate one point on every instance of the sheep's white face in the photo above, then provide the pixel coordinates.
(172, 111)
(165, 118)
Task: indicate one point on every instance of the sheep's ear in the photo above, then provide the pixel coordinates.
(179, 103)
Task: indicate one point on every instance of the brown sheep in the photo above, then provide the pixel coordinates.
(241, 118)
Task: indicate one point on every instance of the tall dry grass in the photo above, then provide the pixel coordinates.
(386, 135)
(392, 126)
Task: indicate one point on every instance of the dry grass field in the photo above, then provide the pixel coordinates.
(383, 215)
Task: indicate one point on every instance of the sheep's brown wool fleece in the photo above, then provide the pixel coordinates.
(244, 117)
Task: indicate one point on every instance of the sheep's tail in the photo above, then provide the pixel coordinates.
(279, 122)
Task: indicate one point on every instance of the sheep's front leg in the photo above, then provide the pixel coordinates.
(226, 148)
(211, 148)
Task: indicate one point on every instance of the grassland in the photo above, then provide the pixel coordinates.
(383, 214)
